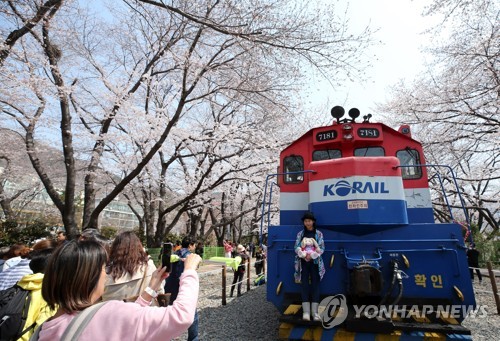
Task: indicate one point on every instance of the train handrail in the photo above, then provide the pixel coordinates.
(270, 197)
(363, 259)
(270, 202)
(466, 215)
(440, 249)
(444, 193)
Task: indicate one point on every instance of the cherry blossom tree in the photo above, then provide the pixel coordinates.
(454, 106)
(114, 87)
(30, 13)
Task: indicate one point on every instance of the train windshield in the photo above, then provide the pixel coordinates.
(294, 163)
(328, 154)
(409, 157)
(369, 151)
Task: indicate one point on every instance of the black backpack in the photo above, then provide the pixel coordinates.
(14, 306)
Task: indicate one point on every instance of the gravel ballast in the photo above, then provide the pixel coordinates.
(484, 328)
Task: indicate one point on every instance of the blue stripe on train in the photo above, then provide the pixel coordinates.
(415, 215)
(421, 215)
(392, 212)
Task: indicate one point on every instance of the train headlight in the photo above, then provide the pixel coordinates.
(347, 131)
(348, 136)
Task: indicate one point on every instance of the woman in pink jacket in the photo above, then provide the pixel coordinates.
(74, 280)
(228, 249)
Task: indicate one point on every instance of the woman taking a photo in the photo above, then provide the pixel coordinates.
(74, 280)
(129, 268)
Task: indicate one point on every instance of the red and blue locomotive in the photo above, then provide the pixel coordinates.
(368, 187)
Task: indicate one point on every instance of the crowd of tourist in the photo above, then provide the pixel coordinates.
(114, 287)
(91, 289)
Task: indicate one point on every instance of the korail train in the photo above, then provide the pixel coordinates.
(368, 187)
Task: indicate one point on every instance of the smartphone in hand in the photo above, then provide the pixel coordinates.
(165, 257)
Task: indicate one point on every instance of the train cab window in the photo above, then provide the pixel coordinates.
(369, 151)
(294, 163)
(328, 154)
(409, 157)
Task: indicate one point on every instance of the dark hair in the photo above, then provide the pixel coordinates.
(188, 240)
(45, 244)
(93, 234)
(127, 255)
(89, 234)
(40, 254)
(17, 250)
(61, 232)
(72, 275)
(40, 259)
(308, 215)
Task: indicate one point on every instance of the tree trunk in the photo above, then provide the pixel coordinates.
(88, 201)
(203, 223)
(5, 203)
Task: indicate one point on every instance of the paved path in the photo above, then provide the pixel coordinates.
(207, 266)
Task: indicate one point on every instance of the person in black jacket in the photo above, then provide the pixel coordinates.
(259, 260)
(172, 282)
(473, 260)
(240, 272)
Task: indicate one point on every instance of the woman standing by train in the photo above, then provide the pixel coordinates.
(309, 267)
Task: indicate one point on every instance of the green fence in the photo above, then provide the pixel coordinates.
(213, 251)
(155, 253)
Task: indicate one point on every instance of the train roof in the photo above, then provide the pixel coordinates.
(385, 128)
